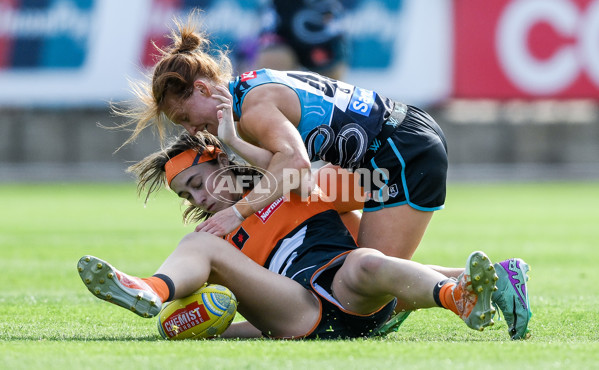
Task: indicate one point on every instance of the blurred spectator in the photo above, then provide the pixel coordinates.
(303, 34)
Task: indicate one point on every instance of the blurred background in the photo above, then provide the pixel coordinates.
(513, 83)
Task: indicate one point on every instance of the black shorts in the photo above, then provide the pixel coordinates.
(410, 167)
(335, 322)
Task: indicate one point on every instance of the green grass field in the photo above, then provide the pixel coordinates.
(48, 319)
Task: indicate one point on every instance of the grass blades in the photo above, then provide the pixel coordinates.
(48, 319)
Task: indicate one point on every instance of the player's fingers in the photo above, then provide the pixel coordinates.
(224, 106)
(210, 227)
(204, 226)
(223, 99)
(214, 230)
(223, 90)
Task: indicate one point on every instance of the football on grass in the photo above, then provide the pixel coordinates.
(206, 313)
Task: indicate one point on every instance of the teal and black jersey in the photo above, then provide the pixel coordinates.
(339, 121)
(401, 148)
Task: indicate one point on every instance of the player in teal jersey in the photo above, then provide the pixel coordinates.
(286, 120)
(281, 121)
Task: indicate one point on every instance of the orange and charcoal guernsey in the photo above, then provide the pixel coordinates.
(289, 225)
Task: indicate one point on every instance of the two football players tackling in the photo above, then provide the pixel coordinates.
(296, 272)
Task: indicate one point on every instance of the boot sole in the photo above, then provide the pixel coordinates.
(101, 280)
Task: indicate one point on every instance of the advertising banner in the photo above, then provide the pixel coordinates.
(68, 52)
(43, 36)
(526, 49)
(82, 52)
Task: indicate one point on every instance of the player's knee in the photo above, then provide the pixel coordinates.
(366, 264)
(198, 243)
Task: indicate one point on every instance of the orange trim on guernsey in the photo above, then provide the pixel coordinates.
(322, 268)
(265, 228)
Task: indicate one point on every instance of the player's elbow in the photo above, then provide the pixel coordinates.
(296, 172)
(301, 162)
(296, 159)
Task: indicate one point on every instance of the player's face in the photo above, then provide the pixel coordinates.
(207, 186)
(196, 113)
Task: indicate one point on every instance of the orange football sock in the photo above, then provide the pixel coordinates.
(446, 297)
(159, 286)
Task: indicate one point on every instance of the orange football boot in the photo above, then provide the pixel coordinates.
(114, 286)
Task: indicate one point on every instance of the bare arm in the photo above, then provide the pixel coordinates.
(256, 156)
(271, 114)
(270, 118)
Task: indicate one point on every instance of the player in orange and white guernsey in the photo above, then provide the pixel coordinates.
(293, 266)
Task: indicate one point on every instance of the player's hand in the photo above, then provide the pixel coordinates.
(226, 124)
(221, 223)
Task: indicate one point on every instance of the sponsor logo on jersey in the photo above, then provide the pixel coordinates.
(240, 237)
(361, 101)
(393, 191)
(376, 144)
(248, 75)
(265, 213)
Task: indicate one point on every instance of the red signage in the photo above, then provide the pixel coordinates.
(526, 49)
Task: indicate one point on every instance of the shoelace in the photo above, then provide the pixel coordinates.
(497, 311)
